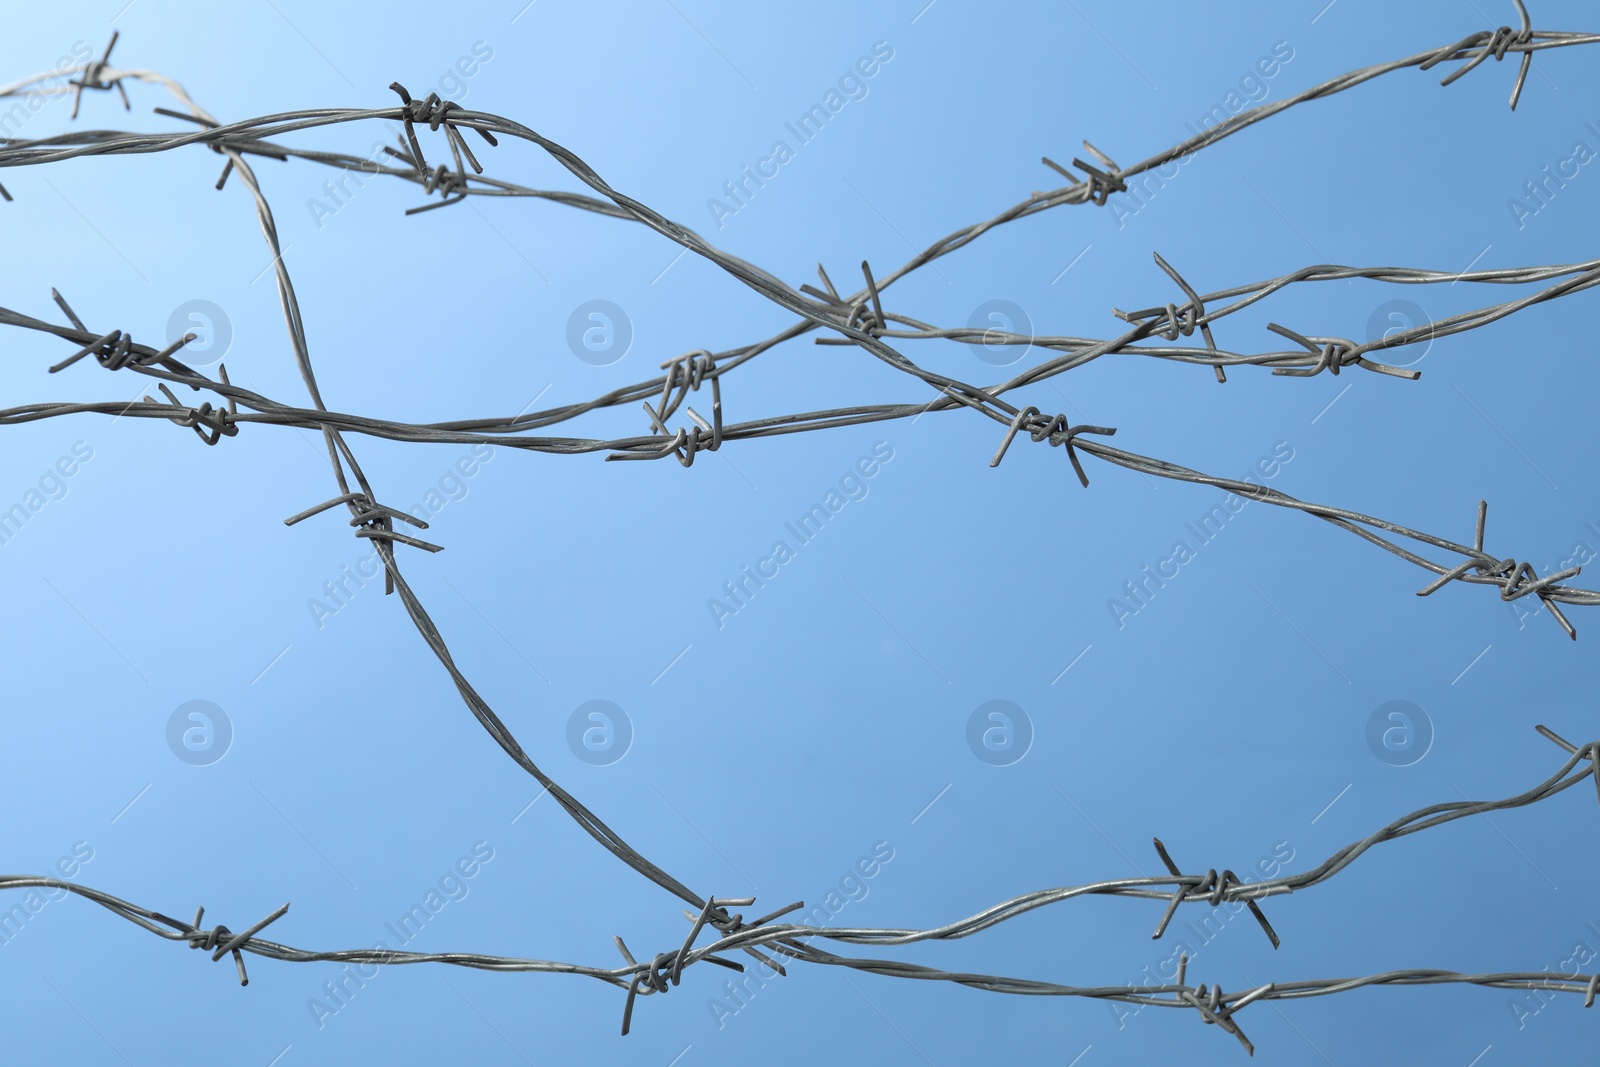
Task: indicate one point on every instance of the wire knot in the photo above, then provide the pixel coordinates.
(1212, 888)
(685, 373)
(1479, 46)
(220, 941)
(1052, 428)
(686, 442)
(1504, 37)
(715, 914)
(1213, 1006)
(666, 969)
(113, 351)
(1516, 580)
(435, 112)
(116, 349)
(1486, 43)
(688, 370)
(93, 77)
(1100, 183)
(1334, 354)
(1175, 320)
(218, 420)
(865, 314)
(372, 520)
(446, 183)
(875, 323)
(432, 110)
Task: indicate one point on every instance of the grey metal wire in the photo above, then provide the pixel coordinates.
(848, 316)
(797, 941)
(858, 319)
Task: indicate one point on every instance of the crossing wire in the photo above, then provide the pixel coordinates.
(857, 319)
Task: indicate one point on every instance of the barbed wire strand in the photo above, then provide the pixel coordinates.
(794, 940)
(849, 318)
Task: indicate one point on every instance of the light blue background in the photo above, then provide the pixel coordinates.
(825, 716)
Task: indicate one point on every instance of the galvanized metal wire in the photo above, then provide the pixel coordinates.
(857, 319)
(797, 941)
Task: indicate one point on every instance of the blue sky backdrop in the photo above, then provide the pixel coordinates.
(823, 728)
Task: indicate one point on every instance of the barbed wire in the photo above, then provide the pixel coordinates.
(116, 350)
(794, 940)
(858, 319)
(848, 316)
